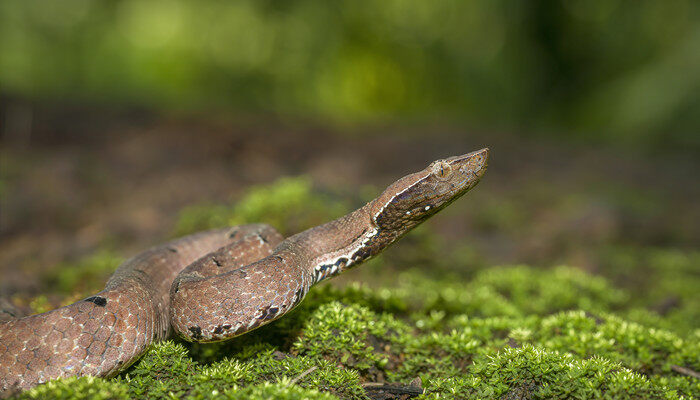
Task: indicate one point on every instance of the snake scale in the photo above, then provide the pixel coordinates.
(216, 285)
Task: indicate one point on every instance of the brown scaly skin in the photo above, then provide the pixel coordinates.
(237, 280)
(107, 332)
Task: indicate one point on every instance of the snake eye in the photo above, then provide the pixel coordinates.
(442, 170)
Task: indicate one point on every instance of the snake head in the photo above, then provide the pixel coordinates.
(416, 197)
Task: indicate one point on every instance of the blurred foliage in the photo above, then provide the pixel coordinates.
(665, 280)
(288, 204)
(603, 69)
(83, 276)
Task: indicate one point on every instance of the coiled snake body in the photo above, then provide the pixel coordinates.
(219, 284)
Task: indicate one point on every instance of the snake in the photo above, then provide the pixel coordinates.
(218, 284)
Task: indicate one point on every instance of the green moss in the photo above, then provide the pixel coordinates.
(506, 291)
(96, 388)
(307, 372)
(665, 282)
(167, 370)
(288, 204)
(647, 350)
(533, 372)
(452, 296)
(79, 388)
(277, 391)
(491, 328)
(351, 335)
(435, 355)
(201, 217)
(538, 291)
(499, 346)
(40, 304)
(85, 276)
(72, 281)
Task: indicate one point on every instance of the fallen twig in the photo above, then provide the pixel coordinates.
(685, 371)
(302, 375)
(394, 389)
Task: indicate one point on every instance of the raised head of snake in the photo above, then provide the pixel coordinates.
(248, 296)
(417, 197)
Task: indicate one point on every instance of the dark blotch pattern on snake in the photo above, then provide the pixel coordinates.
(219, 284)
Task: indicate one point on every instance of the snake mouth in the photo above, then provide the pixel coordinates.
(469, 169)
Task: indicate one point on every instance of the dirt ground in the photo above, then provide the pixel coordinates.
(75, 179)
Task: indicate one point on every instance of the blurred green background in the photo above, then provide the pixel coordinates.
(610, 71)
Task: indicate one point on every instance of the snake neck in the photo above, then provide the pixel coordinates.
(334, 247)
(340, 244)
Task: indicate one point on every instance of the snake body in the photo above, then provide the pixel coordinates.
(215, 285)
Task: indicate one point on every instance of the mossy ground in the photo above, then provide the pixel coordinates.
(483, 331)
